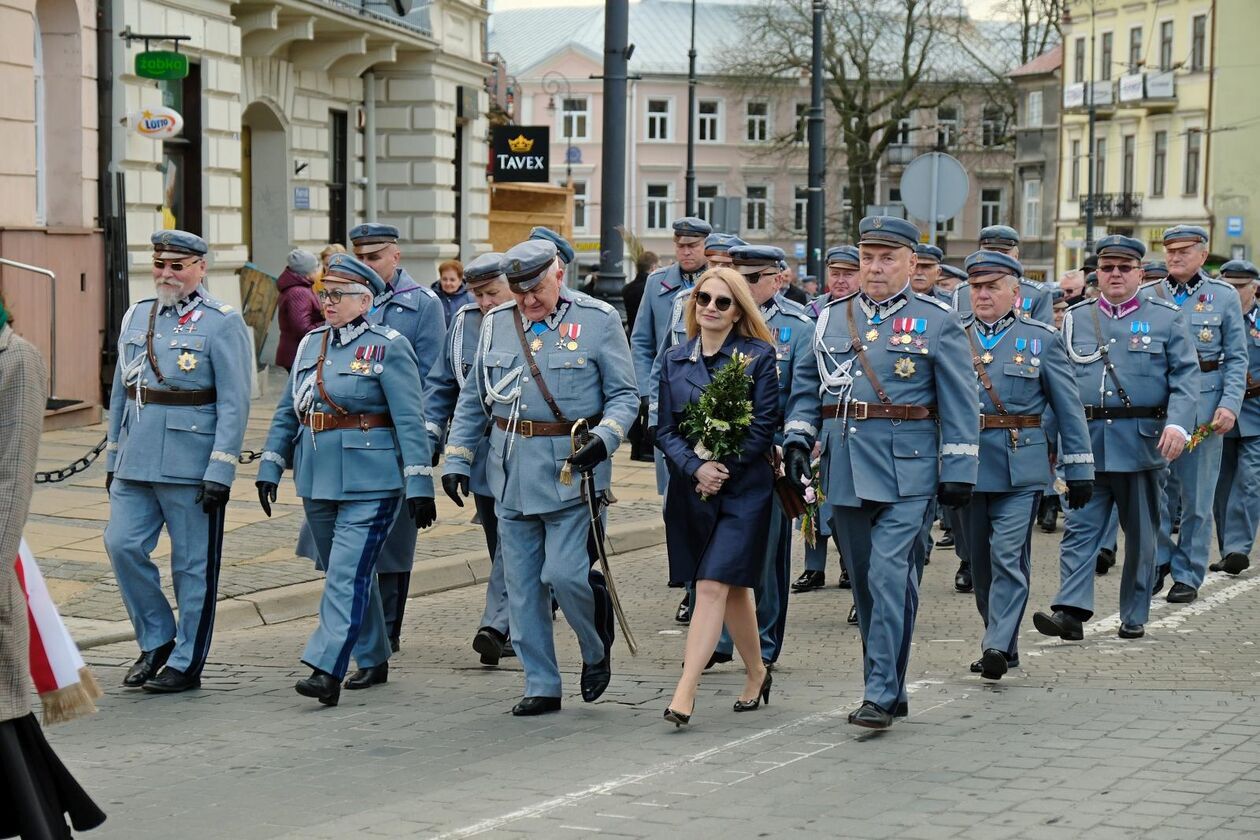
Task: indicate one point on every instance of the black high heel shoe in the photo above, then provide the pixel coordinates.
(762, 695)
(677, 718)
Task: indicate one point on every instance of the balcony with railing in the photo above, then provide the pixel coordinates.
(1124, 205)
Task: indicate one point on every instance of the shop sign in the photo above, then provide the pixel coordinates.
(158, 123)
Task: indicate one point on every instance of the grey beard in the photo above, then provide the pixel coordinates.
(168, 295)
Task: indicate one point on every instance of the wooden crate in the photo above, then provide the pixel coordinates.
(517, 208)
(259, 299)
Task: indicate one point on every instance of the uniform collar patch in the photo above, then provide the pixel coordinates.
(1118, 310)
(351, 331)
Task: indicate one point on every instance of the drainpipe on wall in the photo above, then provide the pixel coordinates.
(1207, 134)
(369, 144)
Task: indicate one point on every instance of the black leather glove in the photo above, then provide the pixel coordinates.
(266, 494)
(796, 465)
(422, 510)
(213, 495)
(1079, 493)
(437, 456)
(109, 479)
(455, 487)
(591, 455)
(953, 494)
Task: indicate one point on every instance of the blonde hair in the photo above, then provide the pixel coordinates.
(751, 324)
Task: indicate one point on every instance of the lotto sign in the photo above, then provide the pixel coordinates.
(157, 123)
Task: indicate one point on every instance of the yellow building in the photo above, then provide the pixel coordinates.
(1176, 112)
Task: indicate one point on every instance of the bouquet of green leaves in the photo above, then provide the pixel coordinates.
(719, 420)
(1205, 431)
(814, 499)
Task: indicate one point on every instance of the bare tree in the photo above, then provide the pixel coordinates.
(1040, 24)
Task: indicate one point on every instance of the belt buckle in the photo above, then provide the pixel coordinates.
(525, 428)
(142, 392)
(861, 410)
(317, 421)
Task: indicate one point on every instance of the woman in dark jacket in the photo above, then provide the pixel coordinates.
(718, 542)
(299, 311)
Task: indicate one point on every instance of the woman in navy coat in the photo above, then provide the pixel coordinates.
(718, 543)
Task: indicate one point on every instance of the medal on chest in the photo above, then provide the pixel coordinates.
(1021, 344)
(187, 362)
(365, 357)
(537, 329)
(568, 339)
(1204, 303)
(1205, 335)
(904, 367)
(188, 321)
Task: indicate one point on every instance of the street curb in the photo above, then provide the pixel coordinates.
(301, 600)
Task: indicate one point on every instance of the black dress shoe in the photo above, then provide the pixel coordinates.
(323, 687)
(946, 540)
(1060, 624)
(962, 578)
(870, 716)
(509, 652)
(993, 664)
(718, 659)
(810, 579)
(1104, 561)
(148, 663)
(844, 583)
(394, 645)
(489, 643)
(683, 615)
(852, 619)
(595, 678)
(978, 666)
(368, 677)
(1231, 564)
(1181, 593)
(1132, 631)
(530, 706)
(1161, 577)
(1048, 515)
(903, 709)
(172, 681)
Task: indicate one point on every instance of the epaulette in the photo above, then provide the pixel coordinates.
(786, 304)
(966, 318)
(593, 303)
(1156, 299)
(1028, 319)
(426, 290)
(389, 332)
(1149, 284)
(467, 307)
(511, 304)
(940, 304)
(1036, 284)
(1219, 282)
(1086, 302)
(798, 313)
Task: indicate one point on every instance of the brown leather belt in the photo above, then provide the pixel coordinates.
(319, 421)
(1120, 412)
(535, 428)
(154, 396)
(1252, 392)
(878, 411)
(1208, 367)
(1009, 421)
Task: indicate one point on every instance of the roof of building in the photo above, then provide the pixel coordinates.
(1047, 62)
(660, 31)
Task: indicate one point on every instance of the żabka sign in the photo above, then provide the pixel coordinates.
(158, 123)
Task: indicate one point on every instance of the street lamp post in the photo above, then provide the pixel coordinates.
(689, 180)
(816, 207)
(552, 83)
(1092, 151)
(612, 174)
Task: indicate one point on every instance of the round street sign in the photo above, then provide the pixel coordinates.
(952, 186)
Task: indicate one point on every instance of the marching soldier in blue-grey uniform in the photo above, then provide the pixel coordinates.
(1035, 298)
(899, 426)
(927, 271)
(1022, 372)
(717, 248)
(177, 415)
(350, 423)
(793, 334)
(1214, 318)
(415, 311)
(1137, 374)
(544, 362)
(1237, 506)
(484, 276)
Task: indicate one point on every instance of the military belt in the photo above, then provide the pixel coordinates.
(1253, 388)
(320, 421)
(535, 428)
(1125, 412)
(1209, 366)
(878, 411)
(1010, 421)
(152, 396)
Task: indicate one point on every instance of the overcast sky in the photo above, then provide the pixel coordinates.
(979, 8)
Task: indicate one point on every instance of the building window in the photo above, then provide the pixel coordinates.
(705, 194)
(1194, 147)
(1198, 43)
(800, 209)
(579, 205)
(992, 126)
(1074, 185)
(945, 227)
(1100, 165)
(1105, 56)
(1159, 163)
(181, 156)
(1135, 49)
(1166, 45)
(756, 208)
(946, 126)
(339, 176)
(658, 119)
(1126, 172)
(990, 207)
(1032, 208)
(658, 206)
(901, 132)
(758, 122)
(802, 122)
(1034, 109)
(1078, 61)
(707, 113)
(575, 118)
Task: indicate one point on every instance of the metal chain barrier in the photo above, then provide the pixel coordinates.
(74, 468)
(248, 456)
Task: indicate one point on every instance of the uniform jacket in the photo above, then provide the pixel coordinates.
(1163, 371)
(368, 369)
(299, 313)
(816, 306)
(1035, 300)
(447, 379)
(1248, 424)
(1031, 375)
(594, 378)
(416, 312)
(652, 320)
(212, 348)
(884, 460)
(1214, 319)
(23, 389)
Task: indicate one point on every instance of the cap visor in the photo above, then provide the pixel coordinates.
(689, 238)
(887, 240)
(369, 247)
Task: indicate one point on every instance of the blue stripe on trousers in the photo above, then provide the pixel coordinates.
(363, 578)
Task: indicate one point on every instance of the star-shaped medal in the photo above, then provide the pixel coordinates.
(987, 358)
(1205, 334)
(872, 334)
(1019, 358)
(535, 345)
(904, 367)
(187, 362)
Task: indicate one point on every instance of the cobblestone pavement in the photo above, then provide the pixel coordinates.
(1106, 739)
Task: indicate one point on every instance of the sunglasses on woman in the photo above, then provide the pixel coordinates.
(703, 299)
